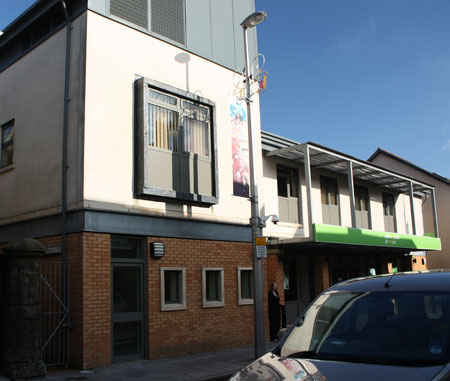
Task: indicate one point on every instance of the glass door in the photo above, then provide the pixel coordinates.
(127, 309)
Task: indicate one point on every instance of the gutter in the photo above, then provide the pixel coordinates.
(64, 137)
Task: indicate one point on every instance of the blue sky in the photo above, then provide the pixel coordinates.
(353, 75)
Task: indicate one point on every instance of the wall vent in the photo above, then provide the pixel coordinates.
(135, 11)
(168, 19)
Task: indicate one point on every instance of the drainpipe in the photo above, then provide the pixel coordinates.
(64, 136)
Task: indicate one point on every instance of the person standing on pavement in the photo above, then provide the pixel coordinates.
(274, 311)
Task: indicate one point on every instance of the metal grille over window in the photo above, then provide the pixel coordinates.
(135, 11)
(163, 127)
(168, 19)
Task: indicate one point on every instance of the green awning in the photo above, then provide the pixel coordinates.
(365, 237)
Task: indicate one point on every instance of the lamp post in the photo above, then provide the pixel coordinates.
(258, 305)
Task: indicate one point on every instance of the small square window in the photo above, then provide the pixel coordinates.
(173, 288)
(212, 287)
(6, 144)
(245, 285)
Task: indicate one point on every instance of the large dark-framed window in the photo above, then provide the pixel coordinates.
(175, 144)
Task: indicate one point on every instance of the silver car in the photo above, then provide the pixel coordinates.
(387, 327)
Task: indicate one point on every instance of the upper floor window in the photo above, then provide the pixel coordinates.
(362, 207)
(330, 200)
(288, 194)
(175, 144)
(7, 144)
(389, 212)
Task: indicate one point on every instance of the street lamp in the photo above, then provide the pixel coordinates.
(258, 305)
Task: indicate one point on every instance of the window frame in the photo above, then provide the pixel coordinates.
(173, 306)
(4, 145)
(244, 301)
(385, 196)
(213, 303)
(143, 189)
(291, 175)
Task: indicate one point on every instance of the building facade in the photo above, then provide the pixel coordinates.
(121, 125)
(340, 218)
(436, 260)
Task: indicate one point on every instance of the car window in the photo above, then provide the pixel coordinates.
(375, 327)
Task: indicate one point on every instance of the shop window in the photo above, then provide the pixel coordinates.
(245, 285)
(330, 200)
(288, 194)
(175, 144)
(7, 144)
(362, 207)
(173, 288)
(212, 287)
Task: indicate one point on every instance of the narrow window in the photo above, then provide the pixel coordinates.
(389, 212)
(288, 194)
(330, 201)
(7, 144)
(245, 285)
(362, 207)
(213, 283)
(173, 288)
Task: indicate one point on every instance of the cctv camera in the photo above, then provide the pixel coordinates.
(275, 219)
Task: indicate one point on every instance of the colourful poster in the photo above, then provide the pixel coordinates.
(239, 139)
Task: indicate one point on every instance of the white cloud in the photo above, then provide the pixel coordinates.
(446, 146)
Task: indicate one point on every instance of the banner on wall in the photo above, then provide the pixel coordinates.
(239, 139)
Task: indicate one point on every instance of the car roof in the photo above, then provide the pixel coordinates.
(433, 280)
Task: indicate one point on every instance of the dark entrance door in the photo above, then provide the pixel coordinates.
(297, 285)
(127, 280)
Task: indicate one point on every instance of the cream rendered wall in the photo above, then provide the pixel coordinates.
(270, 202)
(439, 259)
(32, 93)
(117, 54)
(286, 230)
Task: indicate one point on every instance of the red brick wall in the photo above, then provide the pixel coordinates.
(321, 273)
(170, 333)
(90, 299)
(198, 329)
(275, 272)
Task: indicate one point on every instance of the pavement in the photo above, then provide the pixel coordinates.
(217, 365)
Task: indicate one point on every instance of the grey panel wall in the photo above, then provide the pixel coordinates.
(223, 33)
(198, 25)
(213, 29)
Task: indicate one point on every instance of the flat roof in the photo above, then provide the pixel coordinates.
(337, 162)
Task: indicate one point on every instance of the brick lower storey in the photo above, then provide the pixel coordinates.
(165, 333)
(195, 328)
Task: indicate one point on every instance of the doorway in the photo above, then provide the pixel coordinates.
(297, 285)
(127, 298)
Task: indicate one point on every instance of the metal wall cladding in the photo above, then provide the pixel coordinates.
(168, 19)
(135, 11)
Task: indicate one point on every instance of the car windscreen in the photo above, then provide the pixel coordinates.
(405, 328)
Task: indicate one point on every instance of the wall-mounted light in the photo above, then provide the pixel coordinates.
(157, 249)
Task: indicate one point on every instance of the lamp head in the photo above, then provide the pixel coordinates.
(254, 19)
